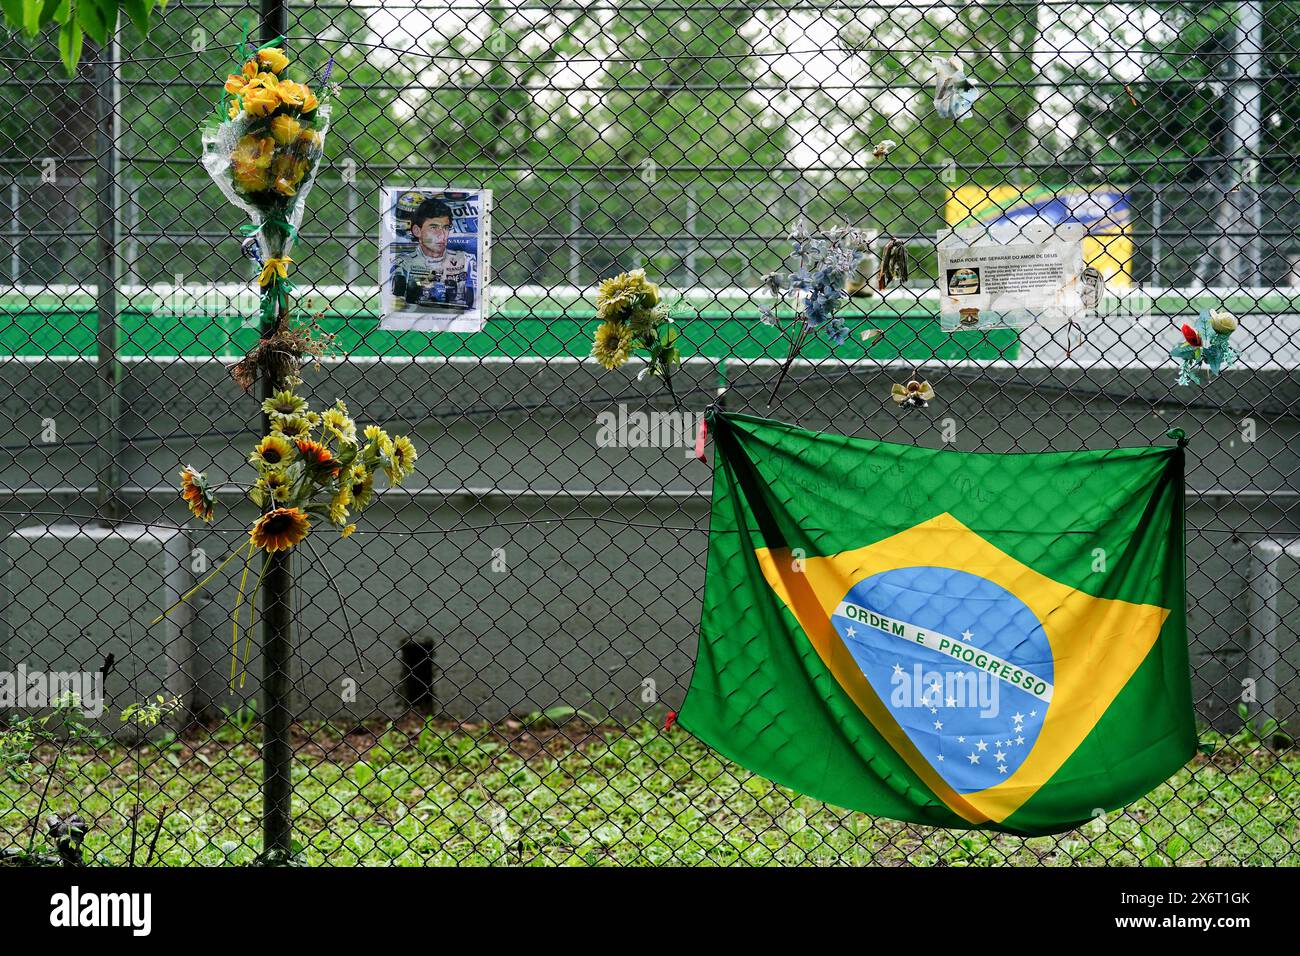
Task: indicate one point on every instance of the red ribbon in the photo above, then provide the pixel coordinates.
(700, 437)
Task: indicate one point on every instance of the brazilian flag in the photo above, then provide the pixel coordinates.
(991, 641)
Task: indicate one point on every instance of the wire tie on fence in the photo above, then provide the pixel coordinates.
(701, 436)
(670, 720)
(1179, 434)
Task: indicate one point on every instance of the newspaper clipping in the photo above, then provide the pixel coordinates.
(987, 284)
(435, 258)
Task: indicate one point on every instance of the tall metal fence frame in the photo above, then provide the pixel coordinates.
(519, 513)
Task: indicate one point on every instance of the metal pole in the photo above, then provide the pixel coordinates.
(354, 233)
(1157, 225)
(108, 226)
(692, 243)
(277, 643)
(575, 224)
(1247, 55)
(15, 228)
(132, 209)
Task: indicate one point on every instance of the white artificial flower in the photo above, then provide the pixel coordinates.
(883, 148)
(1223, 321)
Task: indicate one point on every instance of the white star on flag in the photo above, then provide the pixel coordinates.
(1000, 756)
(973, 757)
(982, 746)
(966, 635)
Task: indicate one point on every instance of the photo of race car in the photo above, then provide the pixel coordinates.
(434, 266)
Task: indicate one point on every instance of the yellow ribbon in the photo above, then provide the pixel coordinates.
(274, 267)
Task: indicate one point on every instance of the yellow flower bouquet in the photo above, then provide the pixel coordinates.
(311, 466)
(634, 317)
(263, 149)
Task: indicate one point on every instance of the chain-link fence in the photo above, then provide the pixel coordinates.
(482, 672)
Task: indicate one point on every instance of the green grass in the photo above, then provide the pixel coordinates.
(432, 792)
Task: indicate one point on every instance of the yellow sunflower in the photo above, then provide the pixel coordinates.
(403, 457)
(627, 290)
(284, 402)
(613, 344)
(337, 421)
(277, 484)
(292, 427)
(362, 483)
(197, 494)
(280, 529)
(272, 451)
(339, 505)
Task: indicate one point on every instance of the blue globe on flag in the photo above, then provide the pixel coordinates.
(962, 665)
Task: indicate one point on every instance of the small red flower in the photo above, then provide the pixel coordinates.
(1190, 334)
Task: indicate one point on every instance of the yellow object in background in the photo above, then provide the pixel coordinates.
(1103, 210)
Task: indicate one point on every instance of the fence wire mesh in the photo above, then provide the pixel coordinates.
(481, 673)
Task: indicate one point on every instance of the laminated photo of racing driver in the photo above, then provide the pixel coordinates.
(432, 273)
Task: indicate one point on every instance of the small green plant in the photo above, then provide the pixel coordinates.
(242, 719)
(19, 744)
(1267, 732)
(557, 715)
(144, 716)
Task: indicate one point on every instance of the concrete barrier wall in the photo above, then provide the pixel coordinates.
(599, 552)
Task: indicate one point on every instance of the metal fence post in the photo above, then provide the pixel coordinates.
(277, 644)
(107, 210)
(575, 227)
(1157, 226)
(1248, 50)
(15, 228)
(354, 232)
